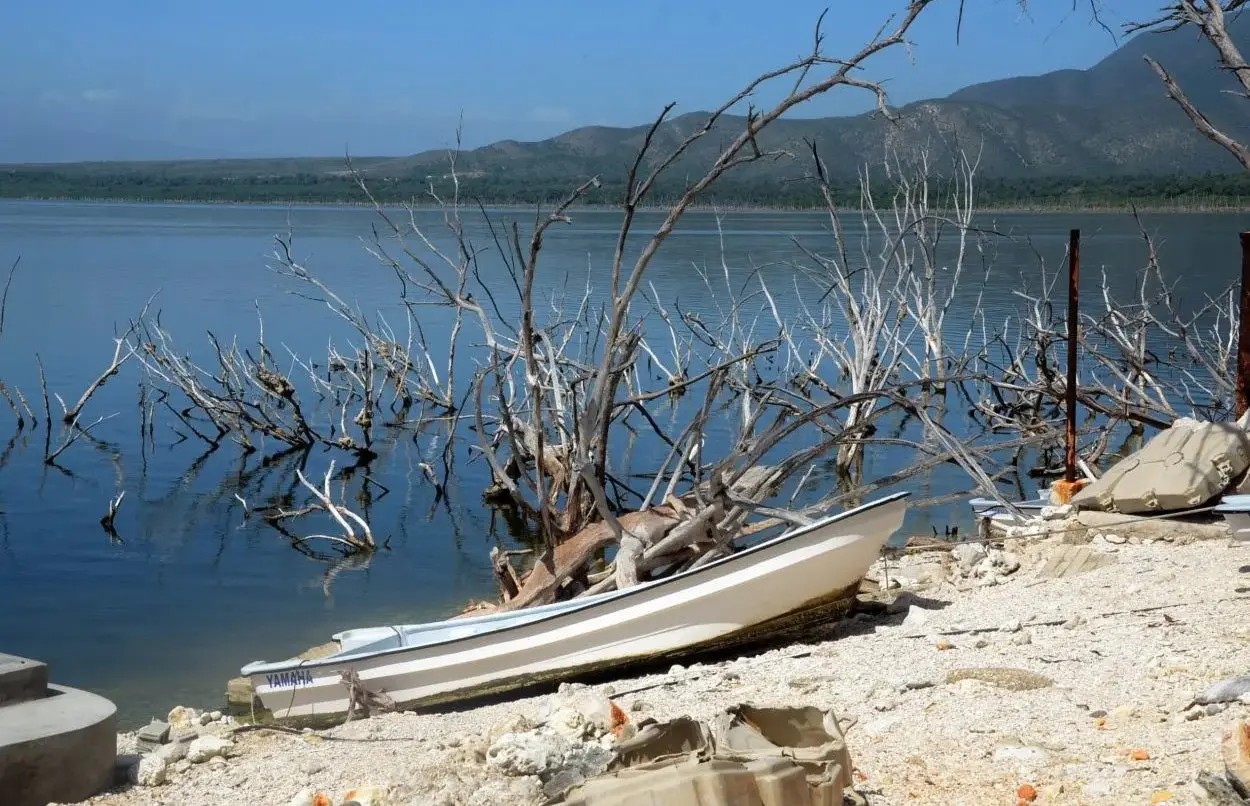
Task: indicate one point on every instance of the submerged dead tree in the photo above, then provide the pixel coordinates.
(759, 405)
(1210, 18)
(555, 391)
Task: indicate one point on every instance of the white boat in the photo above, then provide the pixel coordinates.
(804, 576)
(992, 506)
(1236, 512)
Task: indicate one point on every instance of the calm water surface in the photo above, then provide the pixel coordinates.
(193, 590)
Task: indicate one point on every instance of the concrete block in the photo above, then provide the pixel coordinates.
(61, 748)
(153, 735)
(21, 679)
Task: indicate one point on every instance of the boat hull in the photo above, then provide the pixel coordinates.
(803, 578)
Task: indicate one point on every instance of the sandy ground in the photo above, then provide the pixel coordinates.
(1112, 727)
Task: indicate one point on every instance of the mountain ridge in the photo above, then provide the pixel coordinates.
(1113, 119)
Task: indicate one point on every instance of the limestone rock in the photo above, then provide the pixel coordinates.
(172, 752)
(150, 771)
(530, 753)
(367, 796)
(1004, 563)
(516, 723)
(584, 715)
(1057, 513)
(208, 747)
(917, 617)
(967, 555)
(182, 717)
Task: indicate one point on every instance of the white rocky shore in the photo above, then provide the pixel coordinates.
(981, 682)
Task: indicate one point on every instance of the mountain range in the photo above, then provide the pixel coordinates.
(1111, 120)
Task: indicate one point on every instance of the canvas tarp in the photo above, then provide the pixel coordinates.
(1186, 466)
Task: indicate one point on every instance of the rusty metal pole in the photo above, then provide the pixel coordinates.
(1069, 392)
(1243, 336)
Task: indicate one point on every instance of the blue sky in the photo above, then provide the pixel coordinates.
(86, 79)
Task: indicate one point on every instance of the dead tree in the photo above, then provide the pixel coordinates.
(1210, 18)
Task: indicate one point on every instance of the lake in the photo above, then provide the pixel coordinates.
(192, 590)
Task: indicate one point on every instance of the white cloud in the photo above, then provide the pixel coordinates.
(99, 96)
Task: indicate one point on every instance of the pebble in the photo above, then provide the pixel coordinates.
(1074, 622)
(1024, 755)
(1097, 788)
(1012, 625)
(1021, 638)
(963, 722)
(1118, 540)
(1123, 712)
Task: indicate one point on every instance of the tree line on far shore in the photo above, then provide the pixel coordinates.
(1205, 191)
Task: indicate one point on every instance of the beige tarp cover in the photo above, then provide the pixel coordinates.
(1185, 466)
(750, 757)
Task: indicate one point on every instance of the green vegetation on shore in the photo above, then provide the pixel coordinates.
(160, 182)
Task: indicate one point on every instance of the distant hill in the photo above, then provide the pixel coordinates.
(1112, 120)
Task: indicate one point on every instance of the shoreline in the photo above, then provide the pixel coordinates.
(1094, 708)
(1125, 208)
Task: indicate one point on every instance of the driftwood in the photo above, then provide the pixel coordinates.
(573, 554)
(360, 700)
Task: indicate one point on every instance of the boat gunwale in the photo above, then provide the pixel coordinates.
(270, 667)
